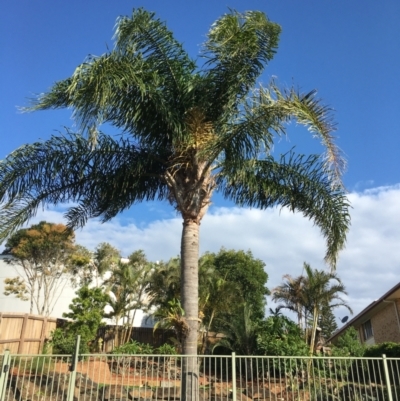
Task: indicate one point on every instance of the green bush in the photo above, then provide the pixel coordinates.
(280, 336)
(63, 342)
(166, 349)
(391, 350)
(134, 347)
(348, 344)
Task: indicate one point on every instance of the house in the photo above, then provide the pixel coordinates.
(379, 322)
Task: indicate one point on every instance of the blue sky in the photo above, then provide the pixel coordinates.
(347, 50)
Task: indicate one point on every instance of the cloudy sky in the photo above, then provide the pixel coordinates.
(348, 51)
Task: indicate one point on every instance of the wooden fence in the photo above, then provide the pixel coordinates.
(23, 333)
(145, 335)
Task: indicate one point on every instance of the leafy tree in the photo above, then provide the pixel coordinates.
(187, 131)
(164, 291)
(106, 257)
(327, 322)
(86, 314)
(81, 266)
(118, 287)
(280, 336)
(348, 344)
(246, 275)
(41, 256)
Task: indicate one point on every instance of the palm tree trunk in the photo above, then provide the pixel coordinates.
(314, 329)
(190, 301)
(130, 329)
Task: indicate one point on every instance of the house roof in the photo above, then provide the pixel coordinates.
(369, 311)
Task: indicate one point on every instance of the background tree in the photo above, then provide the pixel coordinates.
(348, 344)
(238, 288)
(164, 284)
(312, 297)
(291, 294)
(105, 258)
(322, 289)
(188, 131)
(327, 322)
(41, 256)
(280, 336)
(144, 270)
(249, 277)
(86, 314)
(119, 288)
(82, 271)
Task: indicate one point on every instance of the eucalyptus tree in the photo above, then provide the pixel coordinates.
(189, 128)
(42, 257)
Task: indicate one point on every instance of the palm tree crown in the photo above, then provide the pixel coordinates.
(186, 132)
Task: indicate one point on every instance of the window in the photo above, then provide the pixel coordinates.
(368, 330)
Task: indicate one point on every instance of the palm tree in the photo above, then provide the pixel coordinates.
(120, 288)
(321, 290)
(291, 293)
(128, 284)
(163, 285)
(186, 132)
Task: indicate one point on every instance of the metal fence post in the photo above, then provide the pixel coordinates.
(5, 368)
(233, 376)
(72, 369)
(387, 377)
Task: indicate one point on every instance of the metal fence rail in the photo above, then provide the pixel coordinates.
(217, 378)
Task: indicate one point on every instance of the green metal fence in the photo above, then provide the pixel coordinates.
(217, 378)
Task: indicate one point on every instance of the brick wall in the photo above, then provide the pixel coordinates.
(385, 324)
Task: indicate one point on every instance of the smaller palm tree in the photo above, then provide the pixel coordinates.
(119, 287)
(172, 317)
(307, 295)
(322, 289)
(292, 295)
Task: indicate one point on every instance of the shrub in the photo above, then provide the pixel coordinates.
(134, 347)
(349, 345)
(166, 349)
(391, 350)
(63, 342)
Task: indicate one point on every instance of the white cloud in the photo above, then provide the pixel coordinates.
(368, 266)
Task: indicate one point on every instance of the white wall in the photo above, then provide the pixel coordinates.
(11, 304)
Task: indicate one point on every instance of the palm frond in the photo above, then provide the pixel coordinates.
(296, 182)
(104, 180)
(142, 86)
(148, 36)
(237, 50)
(307, 110)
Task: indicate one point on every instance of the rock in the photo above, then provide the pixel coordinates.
(241, 397)
(115, 392)
(220, 389)
(141, 394)
(259, 394)
(168, 393)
